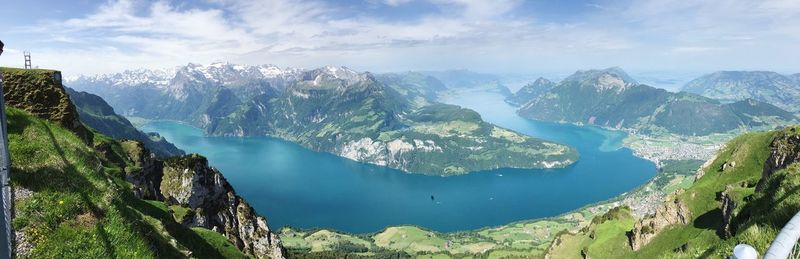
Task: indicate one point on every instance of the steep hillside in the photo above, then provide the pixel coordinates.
(745, 195)
(611, 98)
(341, 111)
(98, 115)
(770, 87)
(100, 198)
(531, 91)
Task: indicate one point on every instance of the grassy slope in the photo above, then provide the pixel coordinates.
(604, 238)
(699, 238)
(81, 207)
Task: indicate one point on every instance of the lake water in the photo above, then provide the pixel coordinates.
(293, 186)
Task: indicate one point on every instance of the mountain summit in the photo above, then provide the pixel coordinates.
(613, 78)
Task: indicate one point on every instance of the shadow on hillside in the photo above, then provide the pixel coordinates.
(711, 220)
(182, 234)
(160, 245)
(77, 183)
(769, 210)
(126, 203)
(16, 123)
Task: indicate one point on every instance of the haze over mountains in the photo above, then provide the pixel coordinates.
(781, 90)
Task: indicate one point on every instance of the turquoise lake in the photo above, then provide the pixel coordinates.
(293, 186)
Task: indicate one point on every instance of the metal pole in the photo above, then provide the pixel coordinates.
(5, 174)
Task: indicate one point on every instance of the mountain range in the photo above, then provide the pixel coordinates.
(781, 90)
(611, 98)
(389, 120)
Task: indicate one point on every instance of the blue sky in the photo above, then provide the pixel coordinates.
(498, 36)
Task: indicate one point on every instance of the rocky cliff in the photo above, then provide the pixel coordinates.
(784, 151)
(146, 172)
(670, 213)
(728, 206)
(211, 201)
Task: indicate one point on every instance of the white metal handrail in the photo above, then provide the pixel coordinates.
(785, 243)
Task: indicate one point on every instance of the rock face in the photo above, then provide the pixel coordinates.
(785, 150)
(190, 182)
(670, 213)
(147, 172)
(728, 206)
(40, 92)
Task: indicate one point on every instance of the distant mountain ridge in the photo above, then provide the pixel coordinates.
(611, 98)
(531, 91)
(462, 78)
(777, 89)
(391, 120)
(96, 113)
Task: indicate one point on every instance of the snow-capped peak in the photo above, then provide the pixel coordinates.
(220, 73)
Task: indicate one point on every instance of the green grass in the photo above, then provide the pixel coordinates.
(219, 243)
(80, 207)
(699, 238)
(73, 206)
(749, 151)
(604, 238)
(179, 212)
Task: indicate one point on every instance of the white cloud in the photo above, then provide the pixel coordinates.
(396, 2)
(478, 34)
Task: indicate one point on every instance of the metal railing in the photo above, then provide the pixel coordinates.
(6, 238)
(785, 244)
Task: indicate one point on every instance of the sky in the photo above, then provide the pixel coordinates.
(495, 36)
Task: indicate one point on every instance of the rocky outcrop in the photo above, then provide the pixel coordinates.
(727, 165)
(146, 173)
(189, 181)
(40, 92)
(785, 150)
(670, 213)
(728, 207)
